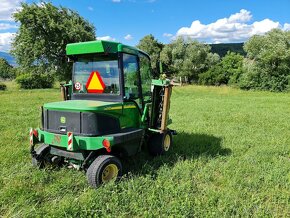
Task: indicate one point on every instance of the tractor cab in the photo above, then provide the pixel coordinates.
(112, 108)
(116, 73)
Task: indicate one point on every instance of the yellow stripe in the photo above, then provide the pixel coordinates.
(120, 107)
(113, 108)
(130, 106)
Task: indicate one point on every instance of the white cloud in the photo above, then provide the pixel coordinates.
(242, 16)
(264, 26)
(128, 37)
(236, 28)
(116, 1)
(5, 41)
(7, 8)
(106, 38)
(90, 8)
(169, 35)
(286, 26)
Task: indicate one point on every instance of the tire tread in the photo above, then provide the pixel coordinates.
(93, 172)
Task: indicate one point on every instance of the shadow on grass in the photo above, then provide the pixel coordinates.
(185, 147)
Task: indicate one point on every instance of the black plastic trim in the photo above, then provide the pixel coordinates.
(67, 154)
(81, 123)
(126, 135)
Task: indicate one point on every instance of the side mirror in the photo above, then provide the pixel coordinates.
(66, 90)
(63, 92)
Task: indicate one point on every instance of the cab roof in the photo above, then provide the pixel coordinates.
(100, 46)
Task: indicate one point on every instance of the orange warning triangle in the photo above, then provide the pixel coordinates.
(95, 83)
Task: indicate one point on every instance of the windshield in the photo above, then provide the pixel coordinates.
(96, 74)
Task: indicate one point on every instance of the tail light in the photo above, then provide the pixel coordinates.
(107, 145)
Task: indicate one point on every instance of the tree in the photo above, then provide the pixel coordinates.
(232, 65)
(268, 65)
(212, 76)
(6, 70)
(151, 46)
(186, 57)
(227, 71)
(44, 32)
(212, 59)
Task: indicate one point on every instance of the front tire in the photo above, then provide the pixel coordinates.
(104, 168)
(160, 143)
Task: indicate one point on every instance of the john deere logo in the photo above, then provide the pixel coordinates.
(62, 119)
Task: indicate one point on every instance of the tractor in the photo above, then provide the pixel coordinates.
(112, 109)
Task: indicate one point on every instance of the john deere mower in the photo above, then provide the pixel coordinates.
(112, 109)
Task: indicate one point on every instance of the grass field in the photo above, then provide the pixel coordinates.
(231, 157)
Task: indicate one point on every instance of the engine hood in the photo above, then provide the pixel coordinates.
(81, 105)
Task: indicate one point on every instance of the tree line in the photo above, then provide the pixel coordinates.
(265, 66)
(39, 49)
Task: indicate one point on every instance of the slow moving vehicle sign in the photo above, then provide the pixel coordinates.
(95, 83)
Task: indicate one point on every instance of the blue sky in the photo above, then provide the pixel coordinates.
(127, 21)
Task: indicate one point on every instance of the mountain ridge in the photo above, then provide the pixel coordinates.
(8, 57)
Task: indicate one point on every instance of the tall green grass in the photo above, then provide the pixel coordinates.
(231, 157)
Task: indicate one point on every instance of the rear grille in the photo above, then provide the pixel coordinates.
(80, 123)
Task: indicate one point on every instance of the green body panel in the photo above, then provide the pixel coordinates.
(161, 82)
(146, 109)
(81, 105)
(131, 117)
(91, 47)
(99, 46)
(128, 49)
(79, 142)
(127, 112)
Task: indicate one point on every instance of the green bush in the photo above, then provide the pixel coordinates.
(267, 66)
(35, 80)
(227, 72)
(6, 70)
(262, 78)
(3, 87)
(214, 76)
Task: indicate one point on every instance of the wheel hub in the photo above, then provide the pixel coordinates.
(109, 173)
(166, 144)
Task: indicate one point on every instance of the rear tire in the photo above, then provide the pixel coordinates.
(159, 143)
(104, 168)
(43, 156)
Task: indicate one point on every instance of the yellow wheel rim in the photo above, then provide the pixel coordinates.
(166, 144)
(110, 173)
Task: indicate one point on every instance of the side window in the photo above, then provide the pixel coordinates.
(130, 67)
(146, 76)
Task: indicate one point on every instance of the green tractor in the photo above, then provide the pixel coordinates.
(112, 109)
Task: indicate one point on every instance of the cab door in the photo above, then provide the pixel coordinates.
(137, 78)
(132, 82)
(146, 78)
